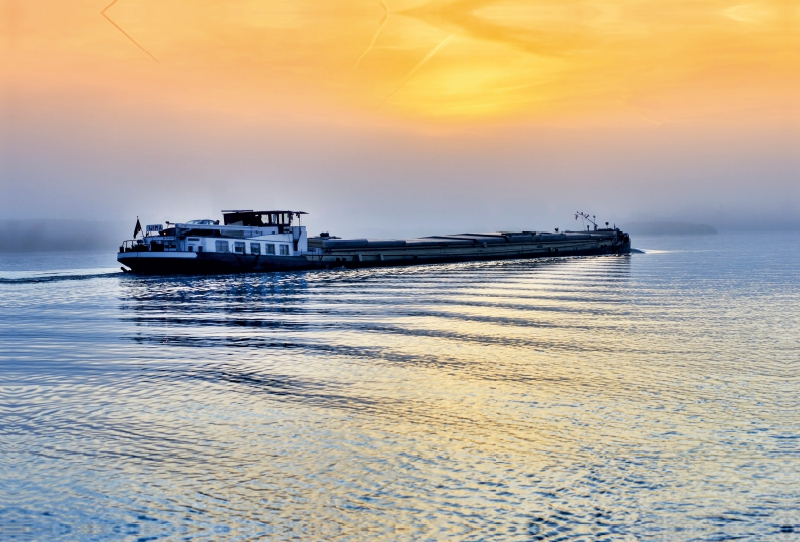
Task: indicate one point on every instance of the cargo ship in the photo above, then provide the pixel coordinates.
(263, 241)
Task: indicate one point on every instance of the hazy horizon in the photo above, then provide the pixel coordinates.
(402, 118)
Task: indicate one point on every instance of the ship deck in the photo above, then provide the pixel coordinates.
(464, 246)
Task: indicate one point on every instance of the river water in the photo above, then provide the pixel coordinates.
(652, 396)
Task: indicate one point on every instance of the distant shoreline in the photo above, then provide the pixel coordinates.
(75, 235)
(61, 235)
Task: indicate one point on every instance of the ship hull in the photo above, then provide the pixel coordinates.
(359, 261)
(165, 263)
(193, 263)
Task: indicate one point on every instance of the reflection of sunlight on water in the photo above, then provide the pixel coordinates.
(567, 398)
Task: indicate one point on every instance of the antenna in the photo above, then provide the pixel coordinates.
(583, 216)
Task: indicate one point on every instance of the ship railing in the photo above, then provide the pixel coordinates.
(134, 245)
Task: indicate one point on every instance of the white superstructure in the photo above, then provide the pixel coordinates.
(267, 233)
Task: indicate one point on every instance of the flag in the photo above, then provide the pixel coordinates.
(138, 229)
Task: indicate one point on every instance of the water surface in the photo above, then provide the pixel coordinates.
(641, 397)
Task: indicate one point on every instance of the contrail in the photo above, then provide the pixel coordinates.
(417, 67)
(369, 48)
(103, 13)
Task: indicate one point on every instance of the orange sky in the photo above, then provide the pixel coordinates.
(450, 61)
(486, 69)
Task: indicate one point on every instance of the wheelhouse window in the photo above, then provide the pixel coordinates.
(255, 248)
(270, 248)
(238, 247)
(284, 250)
(222, 246)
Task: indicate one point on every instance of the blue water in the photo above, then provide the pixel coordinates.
(644, 397)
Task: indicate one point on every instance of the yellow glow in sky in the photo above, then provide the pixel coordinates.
(463, 60)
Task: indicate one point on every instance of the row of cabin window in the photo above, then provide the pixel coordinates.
(255, 248)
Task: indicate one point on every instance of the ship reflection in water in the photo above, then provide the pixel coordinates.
(638, 396)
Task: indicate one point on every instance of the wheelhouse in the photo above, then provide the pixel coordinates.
(281, 219)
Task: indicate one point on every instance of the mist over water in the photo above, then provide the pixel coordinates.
(649, 396)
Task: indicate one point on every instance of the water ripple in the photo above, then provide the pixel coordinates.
(642, 397)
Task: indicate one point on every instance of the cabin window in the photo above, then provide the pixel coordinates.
(255, 248)
(195, 239)
(284, 250)
(238, 247)
(222, 246)
(270, 248)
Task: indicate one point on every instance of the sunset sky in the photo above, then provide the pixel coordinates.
(400, 117)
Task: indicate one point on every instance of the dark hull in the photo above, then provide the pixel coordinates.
(216, 263)
(209, 263)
